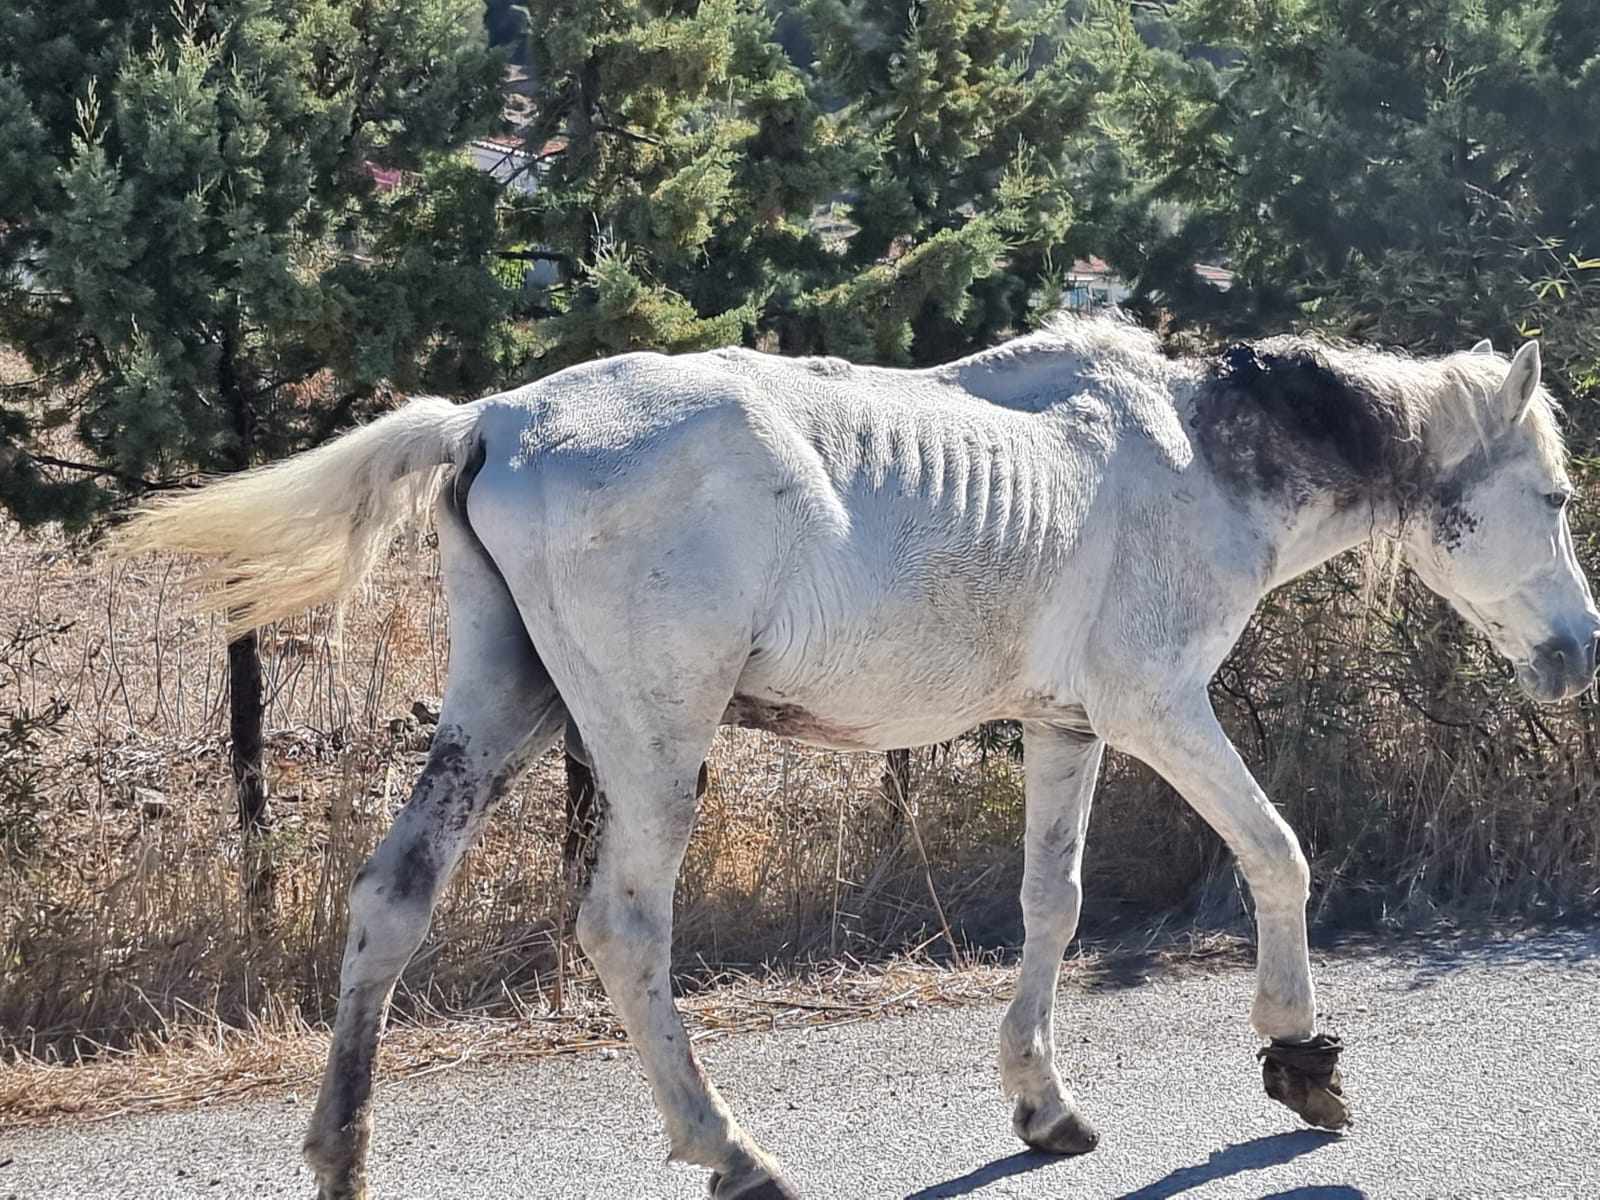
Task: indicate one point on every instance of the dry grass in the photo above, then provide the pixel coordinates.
(122, 911)
(202, 1062)
(1417, 778)
(282, 1053)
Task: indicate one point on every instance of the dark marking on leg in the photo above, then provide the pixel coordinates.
(416, 873)
(1060, 838)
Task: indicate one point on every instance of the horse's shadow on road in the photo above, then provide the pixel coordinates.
(1270, 1151)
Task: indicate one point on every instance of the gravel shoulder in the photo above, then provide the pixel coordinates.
(1474, 1066)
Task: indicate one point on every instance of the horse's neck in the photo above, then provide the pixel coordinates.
(1322, 529)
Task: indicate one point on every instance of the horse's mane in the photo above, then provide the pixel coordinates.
(1360, 420)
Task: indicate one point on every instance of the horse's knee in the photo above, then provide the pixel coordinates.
(620, 920)
(1277, 871)
(1050, 909)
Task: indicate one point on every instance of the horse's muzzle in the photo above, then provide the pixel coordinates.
(1561, 667)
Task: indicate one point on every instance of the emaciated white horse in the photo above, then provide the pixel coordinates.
(1070, 531)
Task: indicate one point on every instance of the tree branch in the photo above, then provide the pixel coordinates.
(630, 135)
(133, 481)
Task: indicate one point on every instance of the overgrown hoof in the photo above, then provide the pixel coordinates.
(337, 1176)
(1054, 1129)
(1304, 1076)
(756, 1186)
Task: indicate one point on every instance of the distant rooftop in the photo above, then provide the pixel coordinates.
(504, 158)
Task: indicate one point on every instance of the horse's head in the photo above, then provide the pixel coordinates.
(1492, 536)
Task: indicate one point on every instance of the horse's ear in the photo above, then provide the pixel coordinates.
(1484, 347)
(1522, 381)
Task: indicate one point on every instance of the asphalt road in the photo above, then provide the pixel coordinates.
(1474, 1068)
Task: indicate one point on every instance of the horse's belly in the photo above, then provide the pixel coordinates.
(835, 727)
(870, 694)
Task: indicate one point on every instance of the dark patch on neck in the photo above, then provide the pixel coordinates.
(1287, 424)
(1453, 517)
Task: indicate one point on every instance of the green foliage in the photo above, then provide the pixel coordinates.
(1410, 173)
(192, 243)
(977, 116)
(871, 316)
(951, 135)
(624, 312)
(681, 156)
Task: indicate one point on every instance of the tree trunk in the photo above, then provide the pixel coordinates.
(246, 713)
(246, 697)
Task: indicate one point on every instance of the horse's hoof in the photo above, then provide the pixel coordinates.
(347, 1188)
(1304, 1077)
(760, 1187)
(338, 1178)
(1061, 1131)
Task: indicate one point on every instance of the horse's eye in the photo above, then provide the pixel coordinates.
(1557, 499)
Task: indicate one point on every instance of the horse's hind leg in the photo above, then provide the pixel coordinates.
(1061, 771)
(500, 709)
(647, 721)
(625, 927)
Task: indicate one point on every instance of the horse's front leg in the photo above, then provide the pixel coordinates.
(1181, 738)
(1061, 772)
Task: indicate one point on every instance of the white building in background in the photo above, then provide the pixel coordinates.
(1092, 283)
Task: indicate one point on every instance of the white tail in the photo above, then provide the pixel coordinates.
(307, 530)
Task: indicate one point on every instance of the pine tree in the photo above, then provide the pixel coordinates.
(681, 156)
(985, 177)
(684, 157)
(192, 241)
(1405, 172)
